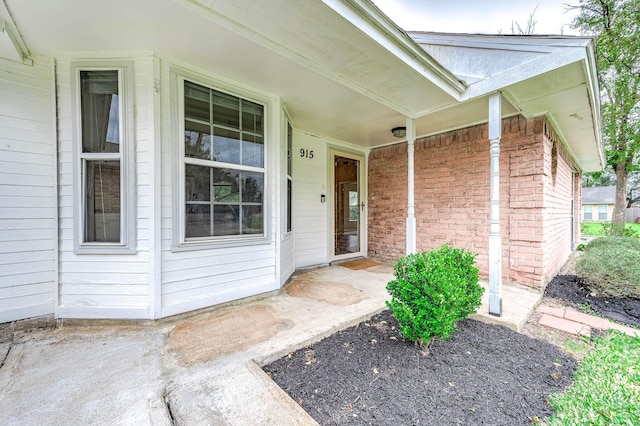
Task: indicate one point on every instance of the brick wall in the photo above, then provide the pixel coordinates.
(452, 173)
(387, 192)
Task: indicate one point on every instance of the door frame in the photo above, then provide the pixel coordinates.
(362, 193)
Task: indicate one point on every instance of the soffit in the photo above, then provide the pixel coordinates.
(335, 80)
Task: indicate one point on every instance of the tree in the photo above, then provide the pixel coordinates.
(615, 25)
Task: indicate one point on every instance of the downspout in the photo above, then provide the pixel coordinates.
(495, 242)
(411, 213)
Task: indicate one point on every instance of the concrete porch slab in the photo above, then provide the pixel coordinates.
(518, 302)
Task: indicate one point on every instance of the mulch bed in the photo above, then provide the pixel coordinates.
(370, 375)
(572, 291)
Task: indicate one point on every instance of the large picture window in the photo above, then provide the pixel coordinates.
(223, 164)
(103, 149)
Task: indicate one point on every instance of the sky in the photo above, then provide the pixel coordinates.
(480, 16)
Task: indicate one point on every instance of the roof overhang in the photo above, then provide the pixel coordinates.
(341, 67)
(554, 76)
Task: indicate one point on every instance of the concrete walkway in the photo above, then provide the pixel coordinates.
(196, 369)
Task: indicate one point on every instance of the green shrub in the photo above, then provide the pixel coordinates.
(610, 266)
(432, 291)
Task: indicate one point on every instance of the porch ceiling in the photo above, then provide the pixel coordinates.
(342, 68)
(336, 79)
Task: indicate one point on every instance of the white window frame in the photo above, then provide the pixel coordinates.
(180, 242)
(288, 202)
(600, 212)
(590, 212)
(126, 157)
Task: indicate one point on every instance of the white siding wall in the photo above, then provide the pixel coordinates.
(106, 285)
(27, 191)
(199, 278)
(311, 217)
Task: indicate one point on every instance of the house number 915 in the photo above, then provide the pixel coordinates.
(305, 153)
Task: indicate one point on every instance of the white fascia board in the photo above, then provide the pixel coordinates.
(590, 71)
(377, 26)
(524, 71)
(9, 30)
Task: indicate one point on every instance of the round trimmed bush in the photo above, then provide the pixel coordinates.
(432, 291)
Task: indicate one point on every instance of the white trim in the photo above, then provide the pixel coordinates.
(9, 315)
(99, 312)
(495, 242)
(13, 33)
(54, 138)
(155, 194)
(126, 156)
(411, 237)
(333, 151)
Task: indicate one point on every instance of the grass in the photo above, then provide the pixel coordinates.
(599, 229)
(610, 266)
(606, 390)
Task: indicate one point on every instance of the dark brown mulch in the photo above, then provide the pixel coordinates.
(369, 375)
(573, 291)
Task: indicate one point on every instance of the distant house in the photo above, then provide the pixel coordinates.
(597, 203)
(162, 156)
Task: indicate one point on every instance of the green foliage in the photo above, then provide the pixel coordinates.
(606, 390)
(604, 229)
(610, 266)
(432, 291)
(616, 27)
(609, 228)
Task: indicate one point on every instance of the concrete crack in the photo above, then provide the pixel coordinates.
(6, 355)
(167, 402)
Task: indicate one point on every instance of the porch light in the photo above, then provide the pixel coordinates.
(399, 132)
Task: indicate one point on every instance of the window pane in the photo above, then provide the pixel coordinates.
(226, 110)
(198, 221)
(226, 146)
(252, 184)
(252, 220)
(100, 112)
(197, 140)
(226, 220)
(289, 150)
(252, 117)
(252, 150)
(196, 102)
(102, 197)
(197, 183)
(225, 186)
(289, 209)
(602, 212)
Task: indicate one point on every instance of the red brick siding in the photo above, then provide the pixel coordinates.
(387, 192)
(452, 198)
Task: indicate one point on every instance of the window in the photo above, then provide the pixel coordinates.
(588, 212)
(602, 212)
(223, 165)
(289, 176)
(103, 155)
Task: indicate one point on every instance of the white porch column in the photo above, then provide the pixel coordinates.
(411, 213)
(495, 243)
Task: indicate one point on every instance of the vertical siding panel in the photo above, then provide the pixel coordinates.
(310, 215)
(27, 192)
